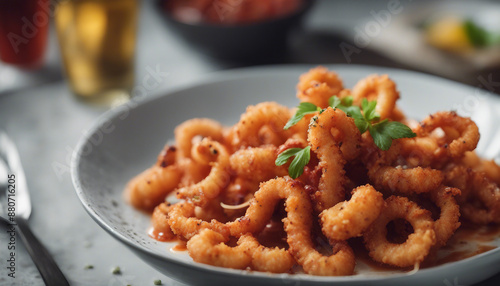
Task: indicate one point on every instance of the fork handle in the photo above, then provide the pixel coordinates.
(48, 268)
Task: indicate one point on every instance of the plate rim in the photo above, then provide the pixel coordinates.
(231, 75)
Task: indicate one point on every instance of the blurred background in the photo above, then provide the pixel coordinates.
(447, 38)
(64, 62)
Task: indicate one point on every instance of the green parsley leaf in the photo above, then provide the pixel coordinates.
(334, 101)
(398, 130)
(385, 131)
(285, 155)
(345, 104)
(303, 109)
(369, 110)
(302, 157)
(116, 271)
(341, 104)
(380, 138)
(347, 101)
(362, 124)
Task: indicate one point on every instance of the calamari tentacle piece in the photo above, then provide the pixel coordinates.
(204, 127)
(351, 218)
(379, 88)
(416, 247)
(219, 177)
(334, 137)
(148, 189)
(256, 164)
(270, 115)
(448, 221)
(318, 85)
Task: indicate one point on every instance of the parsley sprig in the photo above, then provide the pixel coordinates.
(304, 108)
(366, 118)
(382, 132)
(302, 157)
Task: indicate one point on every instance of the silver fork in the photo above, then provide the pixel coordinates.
(14, 193)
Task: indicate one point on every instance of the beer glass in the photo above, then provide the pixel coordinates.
(97, 42)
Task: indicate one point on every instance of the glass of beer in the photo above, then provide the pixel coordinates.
(23, 31)
(97, 41)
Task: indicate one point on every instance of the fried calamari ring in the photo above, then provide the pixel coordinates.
(208, 151)
(482, 204)
(212, 210)
(334, 137)
(415, 248)
(419, 151)
(405, 181)
(209, 247)
(448, 222)
(159, 220)
(239, 190)
(460, 133)
(398, 179)
(185, 224)
(256, 164)
(275, 260)
(148, 189)
(318, 85)
(379, 88)
(271, 115)
(351, 218)
(489, 167)
(298, 224)
(188, 130)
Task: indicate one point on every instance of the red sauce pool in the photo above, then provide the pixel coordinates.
(181, 246)
(158, 235)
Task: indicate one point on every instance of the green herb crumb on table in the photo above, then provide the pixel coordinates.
(116, 271)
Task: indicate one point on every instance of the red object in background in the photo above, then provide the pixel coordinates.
(230, 12)
(23, 31)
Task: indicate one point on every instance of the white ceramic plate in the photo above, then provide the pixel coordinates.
(127, 140)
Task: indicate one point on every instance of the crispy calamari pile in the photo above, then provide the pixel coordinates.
(231, 194)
